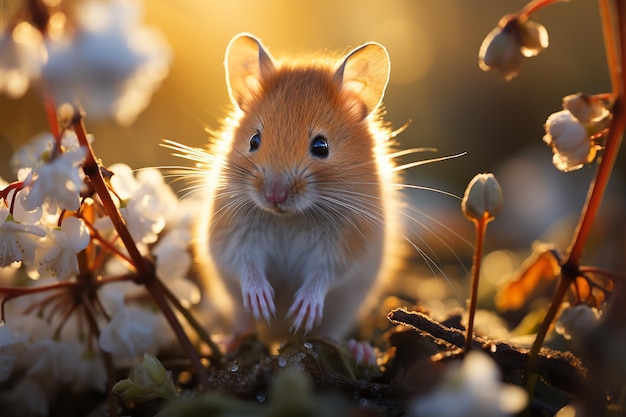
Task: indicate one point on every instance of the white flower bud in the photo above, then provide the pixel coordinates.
(483, 198)
(585, 108)
(569, 141)
(505, 47)
(501, 51)
(534, 38)
(575, 322)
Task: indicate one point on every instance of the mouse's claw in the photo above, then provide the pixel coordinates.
(258, 299)
(362, 352)
(306, 311)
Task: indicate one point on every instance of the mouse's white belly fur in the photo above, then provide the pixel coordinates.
(292, 251)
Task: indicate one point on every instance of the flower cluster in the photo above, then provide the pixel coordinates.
(84, 248)
(63, 265)
(96, 56)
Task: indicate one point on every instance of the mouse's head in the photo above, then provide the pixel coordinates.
(308, 134)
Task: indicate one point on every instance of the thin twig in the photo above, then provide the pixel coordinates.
(216, 356)
(560, 369)
(154, 288)
(481, 229)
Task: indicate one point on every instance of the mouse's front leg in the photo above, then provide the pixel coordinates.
(257, 293)
(307, 308)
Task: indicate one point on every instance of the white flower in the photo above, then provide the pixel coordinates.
(52, 359)
(575, 322)
(167, 201)
(142, 206)
(112, 65)
(21, 215)
(37, 404)
(59, 257)
(130, 333)
(144, 221)
(34, 154)
(569, 141)
(89, 374)
(172, 255)
(38, 151)
(58, 182)
(22, 54)
(471, 389)
(17, 241)
(123, 181)
(11, 348)
(173, 261)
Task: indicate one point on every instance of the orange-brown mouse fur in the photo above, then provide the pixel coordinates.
(300, 223)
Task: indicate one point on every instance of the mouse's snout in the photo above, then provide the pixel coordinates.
(280, 193)
(276, 191)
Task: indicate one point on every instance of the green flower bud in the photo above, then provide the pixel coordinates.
(483, 198)
(147, 381)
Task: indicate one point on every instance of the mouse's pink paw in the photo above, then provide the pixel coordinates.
(362, 352)
(258, 299)
(306, 310)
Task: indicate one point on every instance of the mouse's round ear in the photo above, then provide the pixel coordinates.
(246, 63)
(365, 72)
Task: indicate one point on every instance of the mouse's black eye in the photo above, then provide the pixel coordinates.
(319, 147)
(255, 142)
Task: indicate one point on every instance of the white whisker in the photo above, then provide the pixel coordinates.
(410, 151)
(425, 188)
(425, 161)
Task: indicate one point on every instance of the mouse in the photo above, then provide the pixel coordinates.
(299, 219)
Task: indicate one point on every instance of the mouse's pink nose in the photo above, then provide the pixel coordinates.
(276, 192)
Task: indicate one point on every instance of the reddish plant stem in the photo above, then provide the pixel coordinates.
(557, 298)
(109, 366)
(570, 268)
(4, 193)
(15, 292)
(154, 288)
(610, 43)
(616, 312)
(53, 122)
(95, 235)
(481, 229)
(216, 356)
(598, 186)
(534, 6)
(612, 275)
(92, 170)
(145, 271)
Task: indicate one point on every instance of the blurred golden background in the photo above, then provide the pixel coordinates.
(435, 83)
